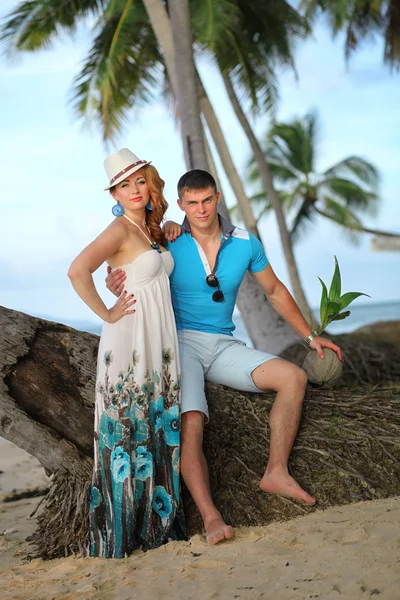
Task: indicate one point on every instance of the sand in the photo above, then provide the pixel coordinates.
(344, 553)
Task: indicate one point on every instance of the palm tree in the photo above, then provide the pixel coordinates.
(341, 194)
(362, 20)
(121, 69)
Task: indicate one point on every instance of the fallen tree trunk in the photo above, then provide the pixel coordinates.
(347, 448)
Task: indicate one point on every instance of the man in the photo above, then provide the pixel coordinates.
(211, 258)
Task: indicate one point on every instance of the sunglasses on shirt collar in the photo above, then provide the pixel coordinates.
(212, 281)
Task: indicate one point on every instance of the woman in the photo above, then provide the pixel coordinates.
(135, 498)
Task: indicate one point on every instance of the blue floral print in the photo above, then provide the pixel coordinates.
(120, 464)
(135, 498)
(156, 410)
(162, 502)
(172, 426)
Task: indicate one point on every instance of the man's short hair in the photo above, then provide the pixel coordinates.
(196, 180)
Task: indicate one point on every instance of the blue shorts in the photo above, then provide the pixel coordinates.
(217, 358)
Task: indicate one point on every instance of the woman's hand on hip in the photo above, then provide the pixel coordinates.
(123, 307)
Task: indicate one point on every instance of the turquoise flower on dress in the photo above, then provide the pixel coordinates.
(156, 411)
(172, 426)
(162, 501)
(120, 464)
(144, 463)
(95, 498)
(110, 431)
(108, 358)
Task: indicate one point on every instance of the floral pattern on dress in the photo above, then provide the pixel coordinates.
(135, 496)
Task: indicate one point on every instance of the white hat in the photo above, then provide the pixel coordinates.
(120, 165)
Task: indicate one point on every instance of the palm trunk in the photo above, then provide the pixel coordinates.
(226, 160)
(161, 25)
(188, 98)
(222, 209)
(360, 228)
(267, 180)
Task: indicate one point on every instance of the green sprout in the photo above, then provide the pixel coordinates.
(332, 303)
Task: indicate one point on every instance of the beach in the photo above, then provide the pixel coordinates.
(347, 552)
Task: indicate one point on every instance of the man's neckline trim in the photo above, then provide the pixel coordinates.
(227, 227)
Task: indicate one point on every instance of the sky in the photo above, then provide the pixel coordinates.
(52, 202)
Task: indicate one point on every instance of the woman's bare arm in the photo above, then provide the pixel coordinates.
(87, 262)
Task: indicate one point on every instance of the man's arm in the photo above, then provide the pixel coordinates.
(284, 304)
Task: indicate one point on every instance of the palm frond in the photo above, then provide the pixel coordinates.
(258, 38)
(36, 24)
(391, 20)
(342, 216)
(121, 70)
(291, 142)
(365, 171)
(211, 21)
(350, 193)
(252, 79)
(361, 20)
(280, 172)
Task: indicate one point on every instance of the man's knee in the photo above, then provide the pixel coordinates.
(296, 379)
(280, 375)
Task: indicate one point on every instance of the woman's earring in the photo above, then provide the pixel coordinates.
(117, 210)
(148, 206)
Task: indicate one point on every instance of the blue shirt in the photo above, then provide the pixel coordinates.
(192, 300)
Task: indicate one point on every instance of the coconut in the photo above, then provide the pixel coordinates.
(323, 370)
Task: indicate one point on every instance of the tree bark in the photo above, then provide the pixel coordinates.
(161, 25)
(266, 177)
(188, 99)
(347, 448)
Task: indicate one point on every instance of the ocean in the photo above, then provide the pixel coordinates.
(361, 315)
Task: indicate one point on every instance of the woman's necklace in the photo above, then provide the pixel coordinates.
(154, 245)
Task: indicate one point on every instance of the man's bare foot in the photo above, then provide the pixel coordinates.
(217, 530)
(282, 484)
